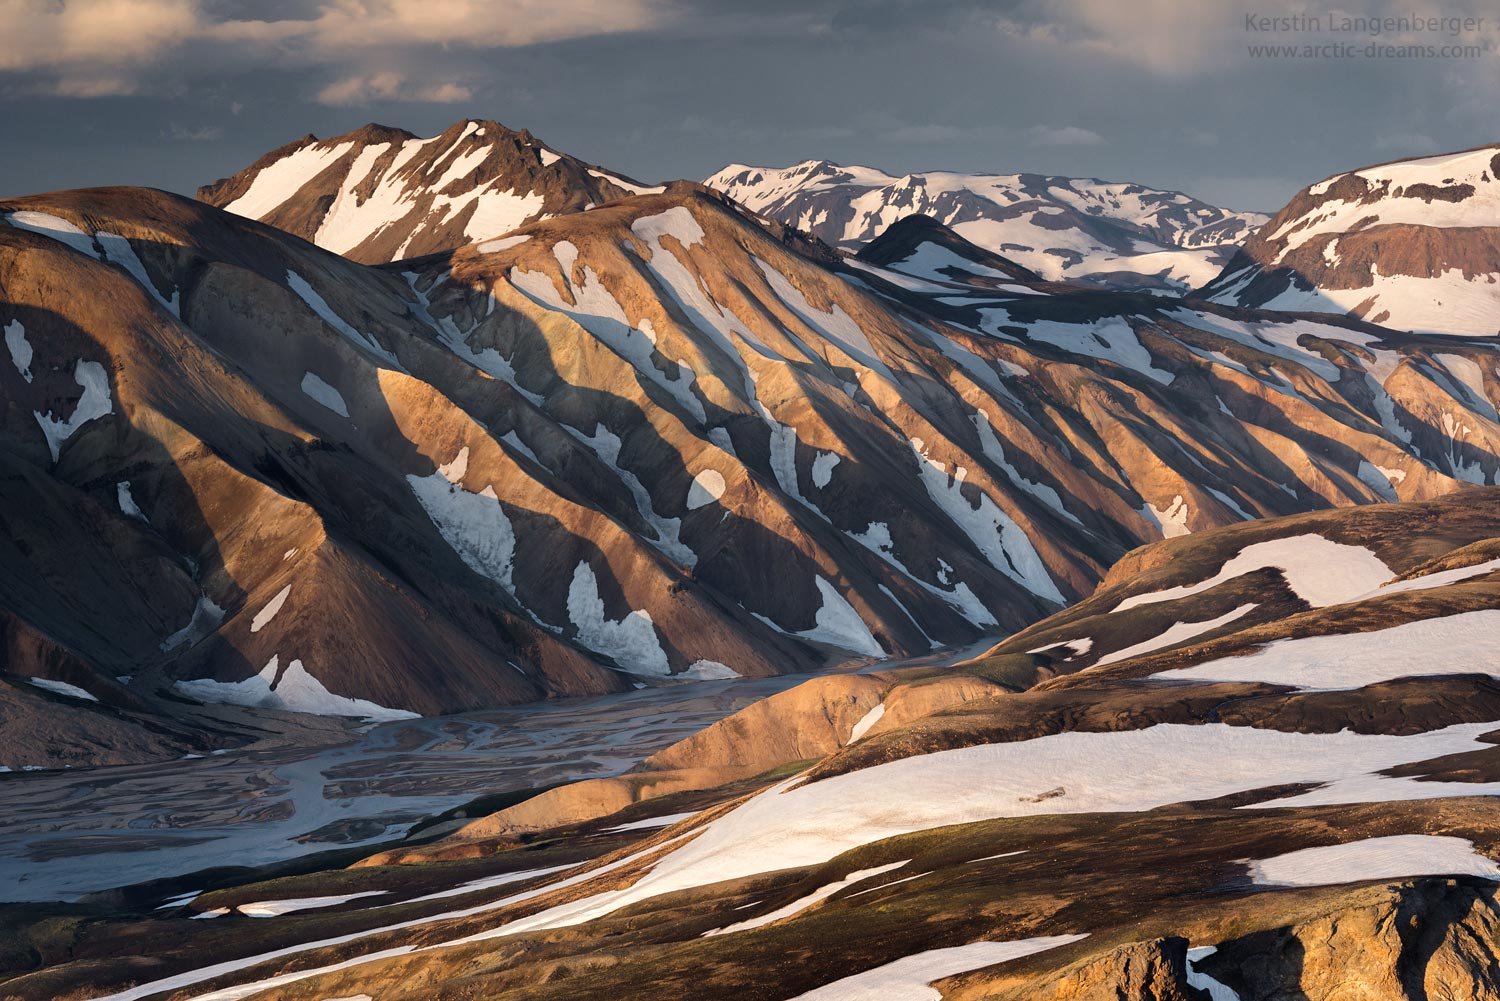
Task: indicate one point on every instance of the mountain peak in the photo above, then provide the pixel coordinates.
(379, 193)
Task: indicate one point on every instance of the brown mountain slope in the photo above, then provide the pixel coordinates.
(653, 439)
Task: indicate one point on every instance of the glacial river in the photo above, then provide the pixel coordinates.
(66, 834)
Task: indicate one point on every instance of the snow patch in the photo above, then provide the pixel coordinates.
(1318, 570)
(59, 229)
(803, 903)
(95, 402)
(707, 487)
(275, 908)
(908, 979)
(205, 619)
(1178, 632)
(1075, 648)
(473, 524)
(709, 670)
(265, 615)
(993, 532)
(504, 243)
(651, 823)
(1440, 579)
(119, 250)
(838, 624)
(1216, 990)
(20, 348)
(1382, 481)
(1450, 644)
(1173, 520)
(676, 222)
(279, 181)
(631, 642)
(128, 506)
(866, 721)
(296, 691)
(822, 468)
(325, 394)
(319, 305)
(877, 538)
(63, 688)
(1394, 857)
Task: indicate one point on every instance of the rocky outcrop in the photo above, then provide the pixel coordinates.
(1141, 971)
(1434, 940)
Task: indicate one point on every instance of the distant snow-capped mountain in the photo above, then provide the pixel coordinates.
(1064, 229)
(1411, 245)
(380, 194)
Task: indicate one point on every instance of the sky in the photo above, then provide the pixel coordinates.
(177, 93)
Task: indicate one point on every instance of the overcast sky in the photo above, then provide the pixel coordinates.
(175, 93)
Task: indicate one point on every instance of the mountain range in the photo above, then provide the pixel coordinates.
(1114, 235)
(658, 438)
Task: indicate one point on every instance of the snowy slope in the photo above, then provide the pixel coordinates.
(1412, 245)
(1106, 233)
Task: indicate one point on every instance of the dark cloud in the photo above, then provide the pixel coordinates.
(183, 91)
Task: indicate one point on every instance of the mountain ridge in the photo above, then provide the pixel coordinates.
(1018, 215)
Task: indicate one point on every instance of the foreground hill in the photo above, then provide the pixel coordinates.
(1412, 245)
(1263, 767)
(653, 440)
(1098, 232)
(381, 194)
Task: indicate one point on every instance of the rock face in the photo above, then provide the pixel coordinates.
(1141, 971)
(1412, 245)
(1083, 230)
(1437, 939)
(381, 194)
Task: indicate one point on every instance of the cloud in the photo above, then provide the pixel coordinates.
(80, 33)
(1066, 135)
(390, 86)
(95, 48)
(345, 25)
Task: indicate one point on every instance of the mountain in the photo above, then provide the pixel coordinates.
(1258, 762)
(653, 440)
(1109, 234)
(922, 247)
(1412, 245)
(381, 194)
